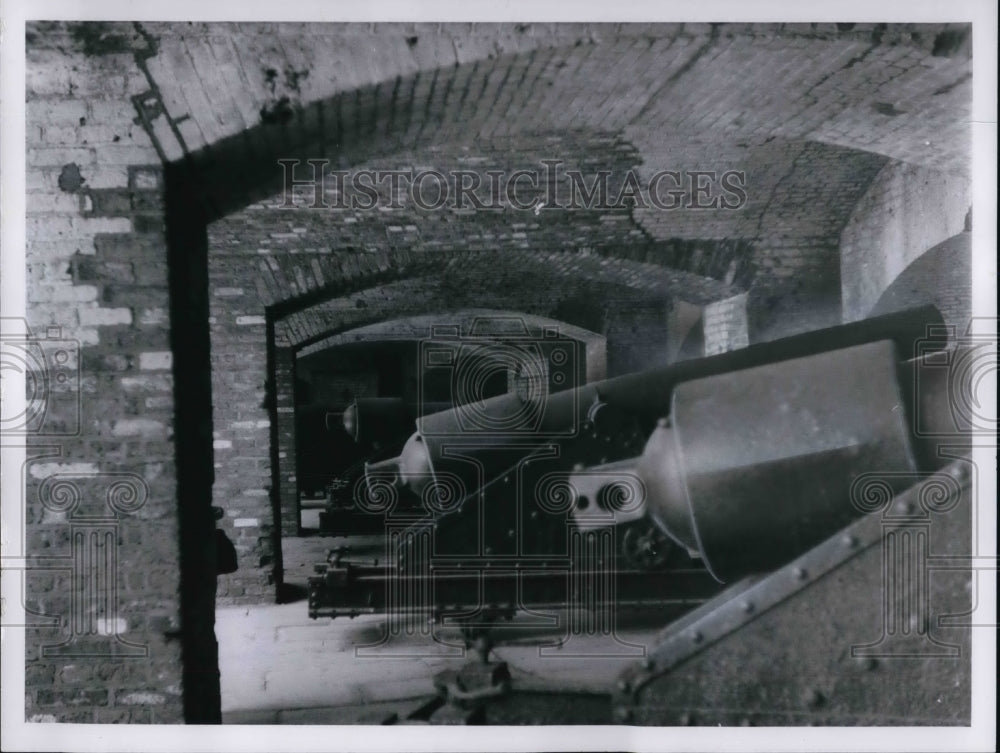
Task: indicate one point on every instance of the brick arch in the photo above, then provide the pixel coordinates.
(905, 211)
(783, 243)
(940, 275)
(423, 317)
(255, 335)
(465, 322)
(579, 284)
(331, 97)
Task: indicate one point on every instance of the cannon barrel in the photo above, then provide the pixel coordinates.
(754, 467)
(745, 459)
(385, 419)
(490, 432)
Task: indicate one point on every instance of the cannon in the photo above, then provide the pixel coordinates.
(662, 485)
(381, 420)
(497, 353)
(379, 426)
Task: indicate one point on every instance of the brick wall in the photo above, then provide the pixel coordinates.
(283, 439)
(97, 281)
(725, 325)
(899, 90)
(906, 210)
(782, 242)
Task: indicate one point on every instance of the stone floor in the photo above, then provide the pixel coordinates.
(278, 666)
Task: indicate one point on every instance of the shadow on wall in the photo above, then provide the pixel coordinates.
(942, 275)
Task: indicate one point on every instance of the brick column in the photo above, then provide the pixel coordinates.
(284, 394)
(241, 427)
(725, 325)
(98, 306)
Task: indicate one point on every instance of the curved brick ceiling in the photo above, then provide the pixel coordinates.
(523, 280)
(903, 91)
(486, 324)
(233, 92)
(235, 97)
(300, 252)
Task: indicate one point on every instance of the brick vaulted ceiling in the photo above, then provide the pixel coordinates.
(786, 102)
(243, 92)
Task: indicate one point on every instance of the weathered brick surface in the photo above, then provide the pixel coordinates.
(284, 395)
(95, 269)
(909, 81)
(799, 195)
(725, 325)
(940, 276)
(906, 210)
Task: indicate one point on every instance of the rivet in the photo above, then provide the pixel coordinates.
(624, 686)
(663, 423)
(622, 714)
(748, 607)
(685, 720)
(696, 637)
(849, 541)
(648, 664)
(799, 573)
(745, 722)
